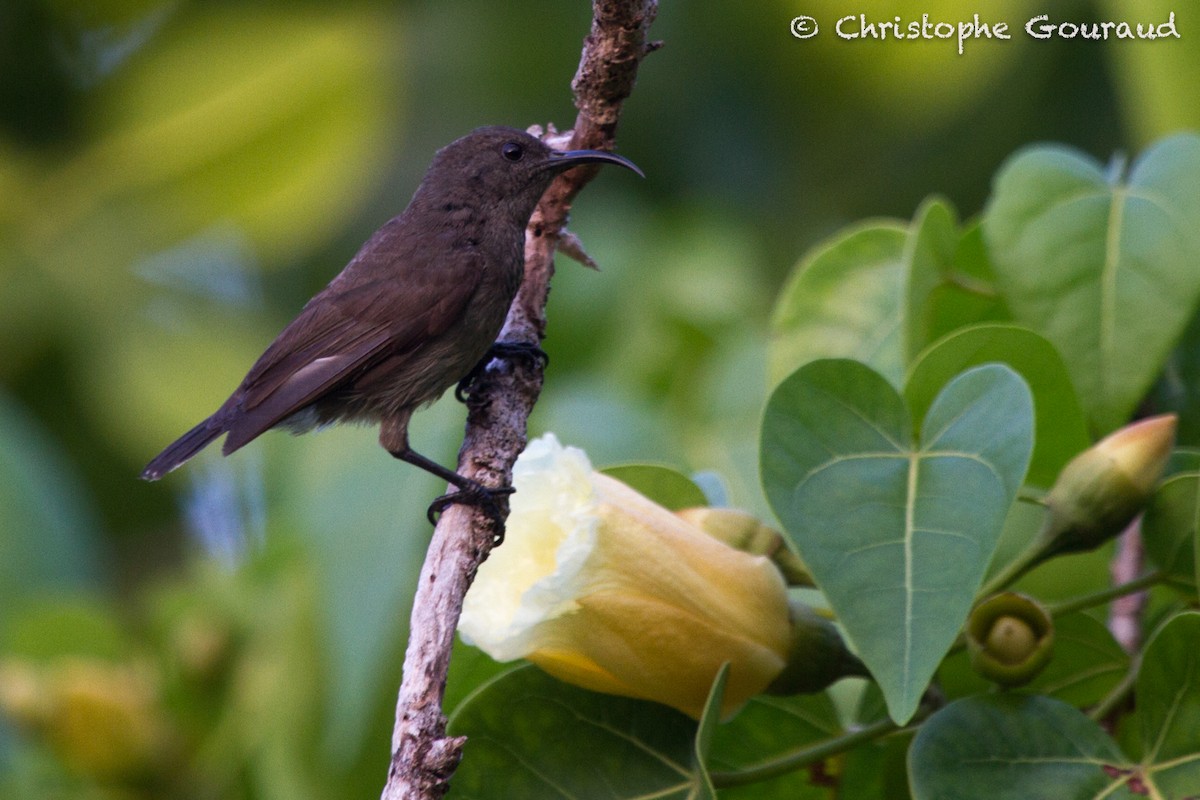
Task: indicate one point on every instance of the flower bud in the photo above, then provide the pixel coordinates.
(817, 655)
(1103, 488)
(749, 534)
(603, 588)
(1010, 638)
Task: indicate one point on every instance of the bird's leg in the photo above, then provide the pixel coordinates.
(470, 492)
(509, 351)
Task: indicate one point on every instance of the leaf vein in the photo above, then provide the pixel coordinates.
(914, 463)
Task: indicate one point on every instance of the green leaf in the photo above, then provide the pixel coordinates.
(470, 668)
(950, 281)
(1178, 389)
(1012, 747)
(530, 735)
(844, 301)
(1021, 526)
(768, 728)
(1171, 526)
(930, 255)
(1103, 267)
(881, 291)
(878, 511)
(1020, 746)
(709, 720)
(1087, 664)
(877, 770)
(1183, 459)
(1168, 707)
(769, 725)
(663, 485)
(1061, 429)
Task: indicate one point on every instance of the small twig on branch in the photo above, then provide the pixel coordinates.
(423, 757)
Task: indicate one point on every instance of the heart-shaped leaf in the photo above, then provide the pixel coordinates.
(1061, 429)
(1013, 747)
(1102, 265)
(897, 526)
(880, 291)
(845, 301)
(950, 278)
(930, 254)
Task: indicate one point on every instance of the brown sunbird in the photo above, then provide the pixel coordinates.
(413, 313)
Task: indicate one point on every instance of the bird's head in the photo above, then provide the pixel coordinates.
(499, 166)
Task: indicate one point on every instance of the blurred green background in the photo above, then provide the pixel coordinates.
(177, 178)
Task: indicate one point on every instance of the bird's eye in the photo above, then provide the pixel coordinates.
(512, 151)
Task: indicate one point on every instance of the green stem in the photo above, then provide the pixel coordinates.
(1105, 595)
(971, 284)
(1033, 497)
(1026, 561)
(805, 756)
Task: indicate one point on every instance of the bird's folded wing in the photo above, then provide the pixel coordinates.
(338, 336)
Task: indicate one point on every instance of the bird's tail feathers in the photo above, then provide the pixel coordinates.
(182, 449)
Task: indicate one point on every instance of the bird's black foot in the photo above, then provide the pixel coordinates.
(478, 495)
(470, 492)
(530, 354)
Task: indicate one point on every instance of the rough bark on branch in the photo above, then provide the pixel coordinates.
(423, 757)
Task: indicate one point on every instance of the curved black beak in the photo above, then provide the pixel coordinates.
(565, 159)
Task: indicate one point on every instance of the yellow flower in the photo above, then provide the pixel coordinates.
(603, 588)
